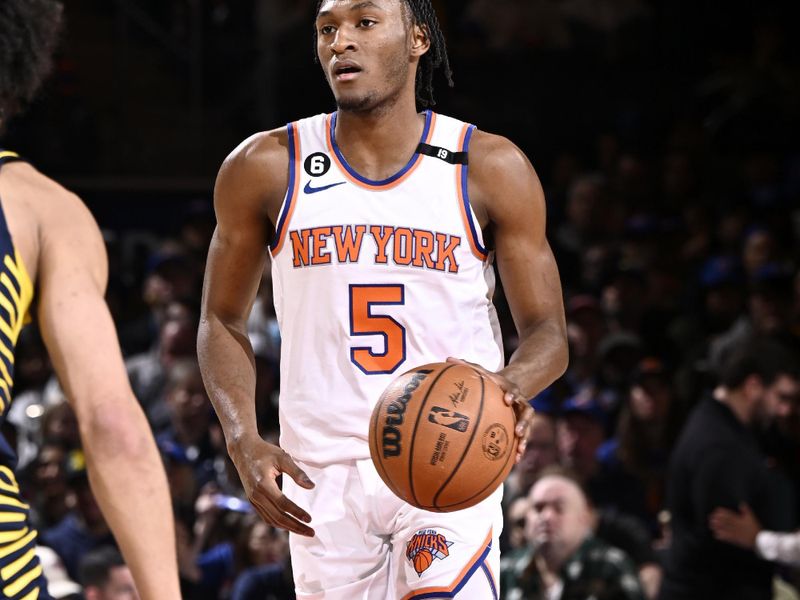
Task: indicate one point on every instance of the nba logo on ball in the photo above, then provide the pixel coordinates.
(441, 437)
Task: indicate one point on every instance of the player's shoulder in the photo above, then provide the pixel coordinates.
(255, 175)
(500, 174)
(39, 195)
(491, 154)
(265, 150)
(45, 219)
(271, 149)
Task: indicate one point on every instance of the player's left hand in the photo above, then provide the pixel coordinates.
(513, 397)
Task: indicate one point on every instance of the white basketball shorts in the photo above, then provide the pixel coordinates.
(370, 545)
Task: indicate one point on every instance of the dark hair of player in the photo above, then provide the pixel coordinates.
(424, 16)
(29, 31)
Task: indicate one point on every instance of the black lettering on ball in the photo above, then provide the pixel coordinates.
(395, 413)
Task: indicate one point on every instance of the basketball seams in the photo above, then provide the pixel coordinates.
(503, 473)
(467, 447)
(414, 433)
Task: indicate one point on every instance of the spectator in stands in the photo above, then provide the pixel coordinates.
(759, 250)
(148, 371)
(60, 425)
(222, 544)
(264, 570)
(769, 312)
(59, 584)
(720, 303)
(646, 429)
(190, 418)
(618, 354)
(584, 201)
(183, 487)
(170, 278)
(586, 327)
(581, 430)
(84, 528)
(47, 487)
(514, 523)
(563, 559)
(541, 452)
(716, 463)
(105, 576)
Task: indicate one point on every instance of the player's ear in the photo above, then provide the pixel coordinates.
(420, 40)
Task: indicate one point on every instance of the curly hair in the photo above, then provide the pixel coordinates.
(29, 32)
(424, 15)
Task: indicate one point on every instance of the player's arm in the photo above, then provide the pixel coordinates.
(508, 199)
(124, 467)
(250, 186)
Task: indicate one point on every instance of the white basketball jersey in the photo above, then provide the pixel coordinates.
(371, 279)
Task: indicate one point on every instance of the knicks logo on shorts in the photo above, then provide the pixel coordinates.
(424, 547)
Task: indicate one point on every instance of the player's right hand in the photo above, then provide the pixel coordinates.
(259, 465)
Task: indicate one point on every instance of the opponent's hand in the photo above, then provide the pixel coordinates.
(739, 528)
(259, 465)
(513, 397)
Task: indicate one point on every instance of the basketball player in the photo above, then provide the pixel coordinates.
(53, 260)
(374, 217)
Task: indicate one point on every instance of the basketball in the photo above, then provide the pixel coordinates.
(442, 437)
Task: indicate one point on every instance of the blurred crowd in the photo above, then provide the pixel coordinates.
(673, 212)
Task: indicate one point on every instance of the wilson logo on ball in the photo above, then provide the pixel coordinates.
(448, 418)
(395, 414)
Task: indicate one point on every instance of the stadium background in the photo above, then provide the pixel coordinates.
(665, 137)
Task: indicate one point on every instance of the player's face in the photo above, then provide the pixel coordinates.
(367, 50)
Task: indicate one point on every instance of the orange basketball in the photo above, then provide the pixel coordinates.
(422, 560)
(442, 437)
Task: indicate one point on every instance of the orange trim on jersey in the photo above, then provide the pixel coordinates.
(382, 188)
(291, 195)
(462, 204)
(459, 578)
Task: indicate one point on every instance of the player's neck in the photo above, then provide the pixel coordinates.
(379, 143)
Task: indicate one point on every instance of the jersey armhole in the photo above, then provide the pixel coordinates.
(471, 225)
(292, 189)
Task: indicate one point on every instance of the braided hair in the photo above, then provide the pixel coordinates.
(29, 31)
(424, 16)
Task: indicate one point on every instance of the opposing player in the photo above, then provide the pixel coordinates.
(52, 258)
(374, 217)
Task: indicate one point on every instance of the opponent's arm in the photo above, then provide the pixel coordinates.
(123, 464)
(508, 198)
(249, 186)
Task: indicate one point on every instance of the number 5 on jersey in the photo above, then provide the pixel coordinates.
(363, 322)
